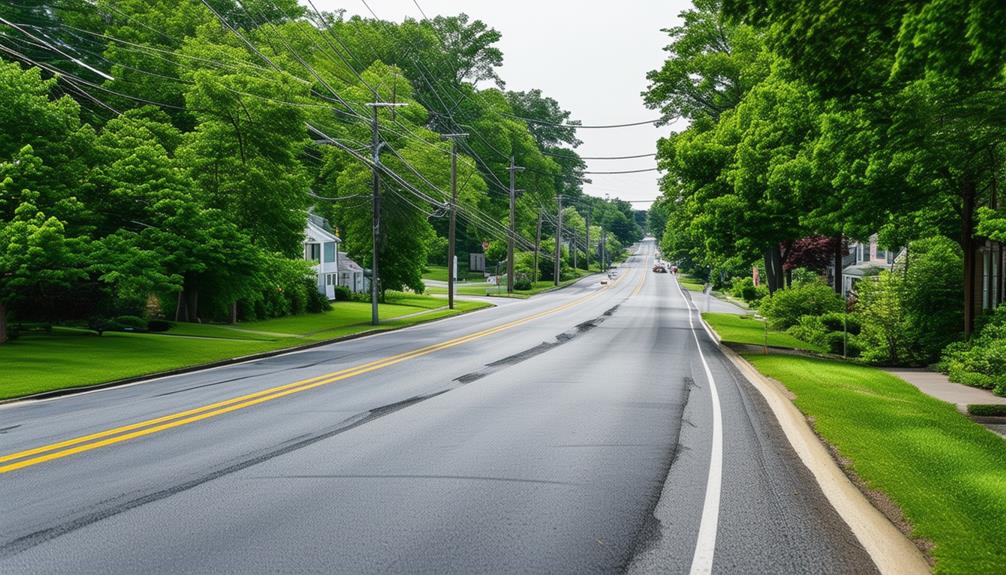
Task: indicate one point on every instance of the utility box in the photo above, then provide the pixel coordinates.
(477, 262)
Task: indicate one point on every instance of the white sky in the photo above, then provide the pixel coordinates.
(592, 56)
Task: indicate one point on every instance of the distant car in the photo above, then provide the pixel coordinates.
(674, 269)
(659, 269)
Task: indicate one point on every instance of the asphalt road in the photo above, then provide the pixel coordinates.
(575, 432)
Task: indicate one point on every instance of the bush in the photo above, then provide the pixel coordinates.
(933, 297)
(809, 329)
(521, 281)
(841, 322)
(838, 343)
(909, 316)
(881, 310)
(982, 361)
(745, 289)
(987, 409)
(159, 325)
(131, 323)
(316, 301)
(342, 293)
(784, 308)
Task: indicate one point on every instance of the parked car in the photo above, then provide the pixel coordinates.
(659, 269)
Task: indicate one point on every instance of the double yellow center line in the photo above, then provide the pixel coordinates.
(37, 455)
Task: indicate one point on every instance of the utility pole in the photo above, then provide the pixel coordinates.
(573, 249)
(375, 149)
(454, 209)
(558, 242)
(586, 252)
(537, 243)
(604, 260)
(513, 225)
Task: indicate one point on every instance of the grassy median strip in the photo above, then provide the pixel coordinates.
(746, 329)
(74, 358)
(946, 473)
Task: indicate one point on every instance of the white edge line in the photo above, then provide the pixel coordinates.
(705, 546)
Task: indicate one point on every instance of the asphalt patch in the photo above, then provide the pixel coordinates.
(537, 350)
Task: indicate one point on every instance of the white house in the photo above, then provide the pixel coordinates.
(321, 247)
(352, 275)
(865, 259)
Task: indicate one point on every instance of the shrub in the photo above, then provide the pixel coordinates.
(784, 308)
(809, 329)
(521, 281)
(745, 289)
(881, 311)
(316, 302)
(131, 323)
(838, 343)
(158, 325)
(342, 293)
(987, 409)
(841, 322)
(982, 361)
(933, 297)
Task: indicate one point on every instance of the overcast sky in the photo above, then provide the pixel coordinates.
(592, 56)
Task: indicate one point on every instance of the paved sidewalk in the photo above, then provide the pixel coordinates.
(939, 386)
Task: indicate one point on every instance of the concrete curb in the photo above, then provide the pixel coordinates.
(890, 549)
(224, 362)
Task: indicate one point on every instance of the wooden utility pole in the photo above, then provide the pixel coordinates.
(451, 230)
(375, 149)
(572, 247)
(537, 243)
(558, 243)
(586, 252)
(513, 225)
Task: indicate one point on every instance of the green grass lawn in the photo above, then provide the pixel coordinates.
(946, 473)
(746, 329)
(439, 273)
(73, 358)
(486, 289)
(690, 282)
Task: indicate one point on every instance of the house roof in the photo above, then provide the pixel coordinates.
(863, 270)
(315, 233)
(347, 264)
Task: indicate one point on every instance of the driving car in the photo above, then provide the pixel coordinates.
(659, 269)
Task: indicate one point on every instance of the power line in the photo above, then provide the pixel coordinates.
(625, 171)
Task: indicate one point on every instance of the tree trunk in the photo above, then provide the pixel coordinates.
(773, 269)
(968, 196)
(789, 278)
(3, 323)
(839, 256)
(179, 304)
(234, 312)
(192, 306)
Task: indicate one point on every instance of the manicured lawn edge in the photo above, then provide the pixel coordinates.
(239, 359)
(931, 470)
(889, 547)
(928, 468)
(747, 330)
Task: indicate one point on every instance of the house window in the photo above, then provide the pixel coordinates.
(314, 252)
(329, 252)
